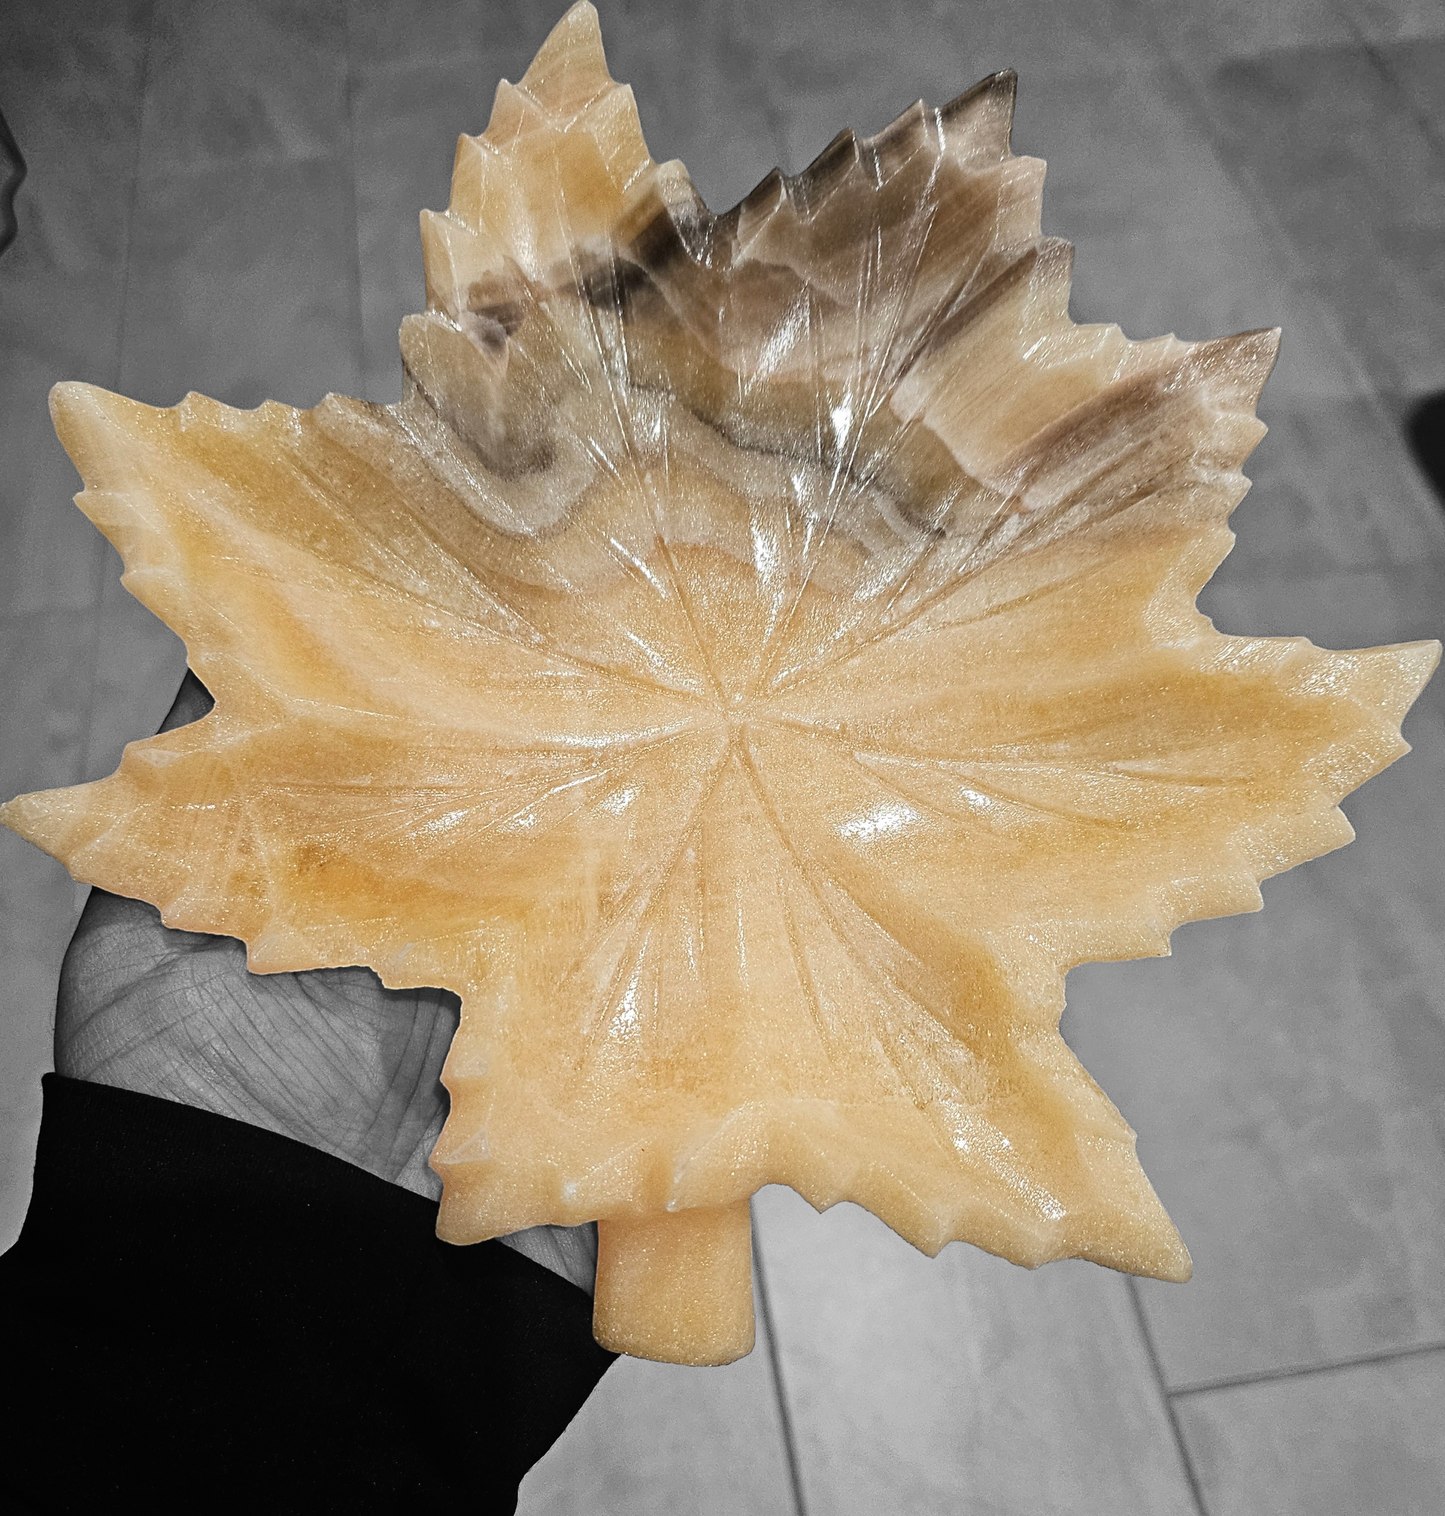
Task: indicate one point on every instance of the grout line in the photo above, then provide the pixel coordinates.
(1292, 267)
(1374, 51)
(118, 360)
(358, 321)
(1356, 366)
(1156, 1368)
(102, 552)
(790, 1446)
(761, 73)
(1271, 1376)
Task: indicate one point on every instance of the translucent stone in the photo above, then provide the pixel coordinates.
(753, 663)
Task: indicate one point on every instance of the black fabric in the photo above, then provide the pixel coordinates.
(201, 1315)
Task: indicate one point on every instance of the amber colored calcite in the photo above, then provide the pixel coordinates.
(753, 663)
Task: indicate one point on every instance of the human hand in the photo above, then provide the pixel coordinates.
(330, 1057)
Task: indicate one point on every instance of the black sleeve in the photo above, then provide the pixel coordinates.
(201, 1315)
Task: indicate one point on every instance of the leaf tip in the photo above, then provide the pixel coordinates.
(1236, 367)
(979, 122)
(570, 68)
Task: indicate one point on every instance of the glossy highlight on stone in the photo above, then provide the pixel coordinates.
(753, 663)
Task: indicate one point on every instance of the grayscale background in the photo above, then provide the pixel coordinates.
(223, 196)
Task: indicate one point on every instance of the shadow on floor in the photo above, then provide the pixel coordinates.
(12, 173)
(1425, 432)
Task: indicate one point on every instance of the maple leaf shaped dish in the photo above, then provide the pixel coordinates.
(753, 663)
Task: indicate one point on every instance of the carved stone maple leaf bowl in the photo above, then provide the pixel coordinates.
(756, 659)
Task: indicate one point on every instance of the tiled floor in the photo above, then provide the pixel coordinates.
(223, 196)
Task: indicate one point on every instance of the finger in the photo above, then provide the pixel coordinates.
(192, 702)
(570, 1251)
(116, 943)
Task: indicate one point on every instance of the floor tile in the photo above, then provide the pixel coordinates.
(50, 554)
(1387, 21)
(70, 84)
(73, 217)
(864, 76)
(1198, 277)
(905, 38)
(18, 1128)
(1417, 66)
(959, 1383)
(139, 664)
(243, 285)
(46, 663)
(39, 904)
(70, 78)
(1333, 488)
(256, 81)
(1204, 36)
(1357, 183)
(1166, 237)
(71, 95)
(1285, 1070)
(1363, 1439)
(1122, 154)
(407, 121)
(403, 34)
(656, 1439)
(1370, 608)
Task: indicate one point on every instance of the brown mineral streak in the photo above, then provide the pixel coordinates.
(753, 663)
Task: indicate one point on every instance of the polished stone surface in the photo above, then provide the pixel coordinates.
(1339, 540)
